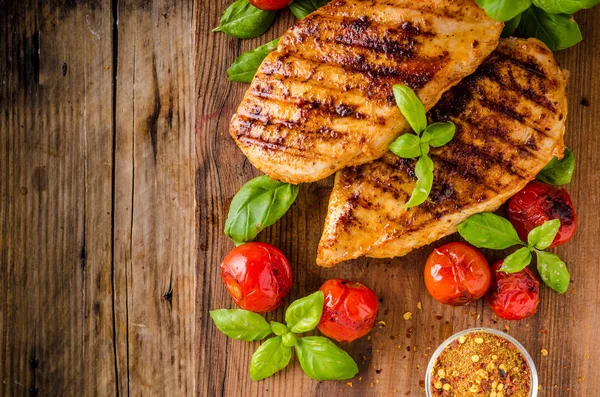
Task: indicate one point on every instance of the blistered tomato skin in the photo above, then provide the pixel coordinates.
(457, 274)
(270, 5)
(349, 311)
(513, 296)
(258, 276)
(538, 203)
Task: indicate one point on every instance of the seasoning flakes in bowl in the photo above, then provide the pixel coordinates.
(479, 364)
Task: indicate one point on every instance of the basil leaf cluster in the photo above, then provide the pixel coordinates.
(301, 8)
(551, 21)
(557, 31)
(244, 21)
(559, 172)
(319, 357)
(243, 69)
(258, 204)
(487, 230)
(417, 145)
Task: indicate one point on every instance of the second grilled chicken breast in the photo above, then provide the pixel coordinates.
(323, 99)
(510, 122)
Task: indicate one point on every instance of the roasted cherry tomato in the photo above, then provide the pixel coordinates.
(349, 311)
(270, 5)
(257, 275)
(457, 274)
(513, 296)
(538, 203)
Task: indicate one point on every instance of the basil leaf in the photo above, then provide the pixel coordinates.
(244, 21)
(241, 324)
(510, 26)
(245, 66)
(553, 271)
(301, 8)
(516, 261)
(258, 204)
(439, 134)
(487, 230)
(504, 10)
(565, 6)
(321, 359)
(411, 107)
(278, 328)
(424, 173)
(269, 358)
(406, 146)
(557, 31)
(289, 339)
(304, 314)
(559, 172)
(542, 236)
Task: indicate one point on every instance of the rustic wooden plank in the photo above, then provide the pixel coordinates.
(393, 360)
(55, 212)
(154, 199)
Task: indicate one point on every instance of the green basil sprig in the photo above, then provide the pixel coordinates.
(301, 8)
(244, 68)
(258, 204)
(487, 230)
(320, 358)
(557, 31)
(504, 10)
(411, 145)
(559, 172)
(548, 20)
(244, 21)
(565, 6)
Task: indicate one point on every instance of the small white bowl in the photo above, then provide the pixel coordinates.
(534, 376)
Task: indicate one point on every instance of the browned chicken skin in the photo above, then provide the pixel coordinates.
(510, 122)
(323, 99)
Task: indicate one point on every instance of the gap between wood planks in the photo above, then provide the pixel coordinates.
(115, 52)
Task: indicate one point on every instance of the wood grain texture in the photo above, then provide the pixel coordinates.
(97, 203)
(154, 200)
(392, 362)
(55, 215)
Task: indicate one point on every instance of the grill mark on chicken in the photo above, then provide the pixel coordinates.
(493, 69)
(266, 144)
(465, 173)
(373, 86)
(322, 132)
(419, 73)
(496, 151)
(309, 108)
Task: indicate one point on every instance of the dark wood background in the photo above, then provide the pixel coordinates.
(109, 256)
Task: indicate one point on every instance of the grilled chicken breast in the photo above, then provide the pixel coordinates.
(510, 121)
(323, 99)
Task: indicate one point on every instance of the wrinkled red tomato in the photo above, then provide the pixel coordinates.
(257, 275)
(513, 296)
(457, 274)
(349, 311)
(538, 203)
(270, 5)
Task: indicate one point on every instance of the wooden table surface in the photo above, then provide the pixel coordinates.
(116, 173)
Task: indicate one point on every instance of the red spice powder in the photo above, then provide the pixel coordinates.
(480, 364)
